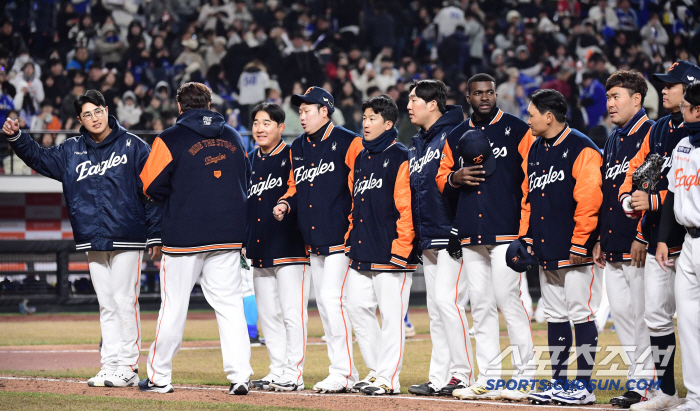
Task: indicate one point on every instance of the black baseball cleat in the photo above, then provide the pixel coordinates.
(240, 388)
(256, 342)
(454, 384)
(626, 400)
(427, 388)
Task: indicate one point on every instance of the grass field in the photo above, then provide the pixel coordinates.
(204, 366)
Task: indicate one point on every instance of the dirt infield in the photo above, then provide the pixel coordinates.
(306, 399)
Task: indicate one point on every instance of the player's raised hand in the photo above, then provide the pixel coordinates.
(11, 127)
(279, 211)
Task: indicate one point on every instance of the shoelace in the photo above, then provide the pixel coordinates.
(455, 381)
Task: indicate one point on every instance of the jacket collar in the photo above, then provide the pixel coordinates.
(278, 149)
(634, 124)
(117, 130)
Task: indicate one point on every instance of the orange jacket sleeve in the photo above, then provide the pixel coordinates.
(289, 198)
(635, 162)
(525, 204)
(525, 143)
(402, 246)
(351, 184)
(588, 195)
(447, 164)
(355, 148)
(155, 175)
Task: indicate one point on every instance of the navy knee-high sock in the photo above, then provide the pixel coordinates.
(586, 334)
(560, 339)
(660, 346)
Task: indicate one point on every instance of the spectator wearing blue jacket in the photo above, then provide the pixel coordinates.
(593, 98)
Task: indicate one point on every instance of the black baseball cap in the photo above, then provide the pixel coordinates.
(518, 259)
(680, 72)
(315, 95)
(475, 149)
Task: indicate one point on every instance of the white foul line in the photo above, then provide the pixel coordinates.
(393, 397)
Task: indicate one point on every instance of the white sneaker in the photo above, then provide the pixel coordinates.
(379, 389)
(410, 330)
(544, 396)
(99, 379)
(660, 401)
(328, 386)
(369, 379)
(686, 406)
(574, 396)
(476, 392)
(264, 382)
(123, 377)
(286, 386)
(471, 332)
(518, 394)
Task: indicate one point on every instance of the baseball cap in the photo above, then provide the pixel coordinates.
(475, 149)
(315, 95)
(517, 257)
(680, 72)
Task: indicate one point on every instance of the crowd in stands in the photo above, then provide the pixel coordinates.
(136, 52)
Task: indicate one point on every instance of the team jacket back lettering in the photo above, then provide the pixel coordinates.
(302, 174)
(86, 168)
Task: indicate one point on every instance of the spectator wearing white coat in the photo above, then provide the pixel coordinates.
(654, 37)
(128, 112)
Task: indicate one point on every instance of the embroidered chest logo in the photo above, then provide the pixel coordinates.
(443, 136)
(684, 149)
(617, 169)
(334, 145)
(302, 174)
(507, 131)
(363, 185)
(545, 179)
(86, 168)
(639, 143)
(566, 153)
(206, 120)
(213, 160)
(262, 186)
(386, 163)
(128, 143)
(499, 151)
(284, 163)
(417, 164)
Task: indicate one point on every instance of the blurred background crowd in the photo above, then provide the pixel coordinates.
(138, 52)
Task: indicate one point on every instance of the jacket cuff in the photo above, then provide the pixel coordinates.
(154, 242)
(289, 208)
(398, 261)
(654, 202)
(14, 137)
(528, 240)
(450, 182)
(640, 238)
(347, 249)
(578, 250)
(623, 196)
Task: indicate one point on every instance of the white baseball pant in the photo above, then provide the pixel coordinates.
(220, 273)
(601, 316)
(627, 309)
(381, 348)
(525, 294)
(330, 287)
(493, 285)
(688, 301)
(282, 295)
(659, 296)
(570, 294)
(446, 284)
(116, 276)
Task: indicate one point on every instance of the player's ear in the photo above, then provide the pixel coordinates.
(280, 127)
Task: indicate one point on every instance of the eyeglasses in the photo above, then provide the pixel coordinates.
(98, 112)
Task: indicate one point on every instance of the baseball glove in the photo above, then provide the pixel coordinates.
(646, 177)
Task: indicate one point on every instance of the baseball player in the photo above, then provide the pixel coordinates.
(318, 190)
(99, 171)
(199, 168)
(682, 205)
(379, 243)
(561, 201)
(451, 364)
(496, 144)
(660, 304)
(278, 255)
(625, 95)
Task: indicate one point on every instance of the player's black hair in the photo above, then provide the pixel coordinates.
(478, 78)
(383, 105)
(430, 90)
(90, 96)
(193, 95)
(692, 93)
(632, 80)
(275, 111)
(550, 100)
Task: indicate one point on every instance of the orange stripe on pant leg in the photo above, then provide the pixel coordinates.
(464, 331)
(136, 314)
(590, 293)
(303, 326)
(347, 345)
(403, 329)
(155, 343)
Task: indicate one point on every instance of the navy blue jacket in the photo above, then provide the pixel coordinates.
(101, 185)
(563, 194)
(318, 187)
(662, 139)
(199, 168)
(380, 237)
(617, 231)
(478, 222)
(433, 214)
(272, 243)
